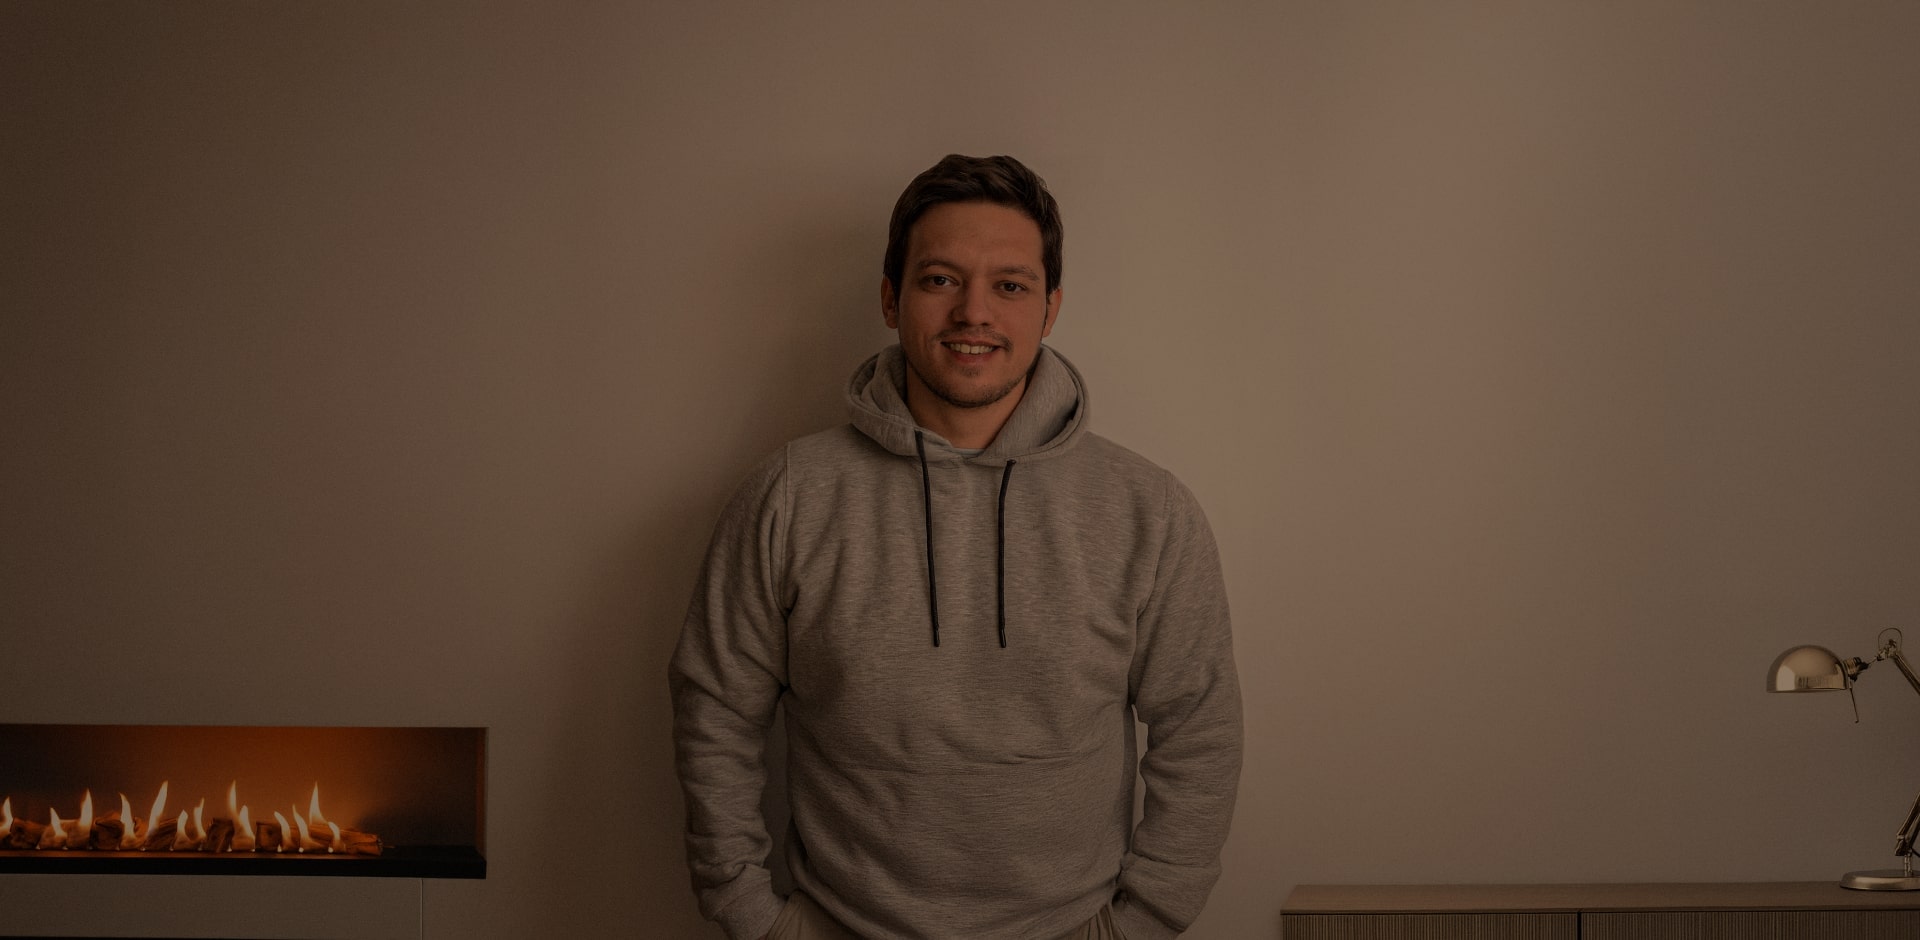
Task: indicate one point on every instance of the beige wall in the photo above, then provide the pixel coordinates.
(1545, 368)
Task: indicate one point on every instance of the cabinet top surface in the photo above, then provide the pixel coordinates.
(1412, 899)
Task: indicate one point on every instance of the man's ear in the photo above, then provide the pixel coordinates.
(889, 304)
(1053, 311)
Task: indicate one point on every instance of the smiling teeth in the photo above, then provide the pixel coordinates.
(970, 350)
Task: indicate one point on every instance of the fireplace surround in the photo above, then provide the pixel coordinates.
(420, 791)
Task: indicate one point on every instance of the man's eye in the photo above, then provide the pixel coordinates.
(938, 280)
(1012, 287)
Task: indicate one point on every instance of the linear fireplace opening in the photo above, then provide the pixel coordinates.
(242, 800)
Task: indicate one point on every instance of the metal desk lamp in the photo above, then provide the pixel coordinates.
(1816, 669)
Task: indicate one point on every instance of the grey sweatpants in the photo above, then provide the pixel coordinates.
(802, 919)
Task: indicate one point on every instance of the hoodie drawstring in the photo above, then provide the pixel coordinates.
(1006, 476)
(926, 499)
(1000, 542)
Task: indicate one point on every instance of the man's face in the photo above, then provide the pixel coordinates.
(972, 305)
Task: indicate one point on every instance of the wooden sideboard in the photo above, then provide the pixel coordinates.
(1766, 911)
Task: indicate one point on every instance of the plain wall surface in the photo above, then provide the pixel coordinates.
(1545, 369)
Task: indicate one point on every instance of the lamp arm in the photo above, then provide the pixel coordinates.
(1892, 651)
(1903, 843)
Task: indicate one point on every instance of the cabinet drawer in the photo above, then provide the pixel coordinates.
(1750, 925)
(1493, 926)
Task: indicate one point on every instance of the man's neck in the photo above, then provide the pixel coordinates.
(965, 428)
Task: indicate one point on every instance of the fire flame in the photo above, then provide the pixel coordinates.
(129, 840)
(153, 818)
(243, 832)
(307, 841)
(188, 831)
(83, 827)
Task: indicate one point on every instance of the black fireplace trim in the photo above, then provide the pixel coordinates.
(420, 861)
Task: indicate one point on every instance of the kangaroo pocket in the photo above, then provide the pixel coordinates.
(979, 849)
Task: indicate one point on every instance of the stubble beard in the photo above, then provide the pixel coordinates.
(956, 397)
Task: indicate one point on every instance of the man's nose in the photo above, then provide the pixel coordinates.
(972, 305)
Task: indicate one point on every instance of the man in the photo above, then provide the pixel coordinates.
(963, 598)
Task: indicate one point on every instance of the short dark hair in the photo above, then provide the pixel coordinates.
(958, 178)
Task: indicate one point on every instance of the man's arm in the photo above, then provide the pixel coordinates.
(1184, 687)
(726, 677)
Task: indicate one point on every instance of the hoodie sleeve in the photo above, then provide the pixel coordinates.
(726, 676)
(1185, 689)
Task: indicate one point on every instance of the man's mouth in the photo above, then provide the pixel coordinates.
(969, 349)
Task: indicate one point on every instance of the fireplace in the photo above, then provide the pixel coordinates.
(242, 800)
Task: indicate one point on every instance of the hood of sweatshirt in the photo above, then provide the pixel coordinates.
(1050, 419)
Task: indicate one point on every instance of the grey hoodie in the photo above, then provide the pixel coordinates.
(944, 782)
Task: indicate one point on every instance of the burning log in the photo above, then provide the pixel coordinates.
(107, 833)
(219, 836)
(160, 835)
(24, 834)
(355, 842)
(266, 836)
(14, 833)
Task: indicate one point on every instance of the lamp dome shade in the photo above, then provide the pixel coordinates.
(1807, 669)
